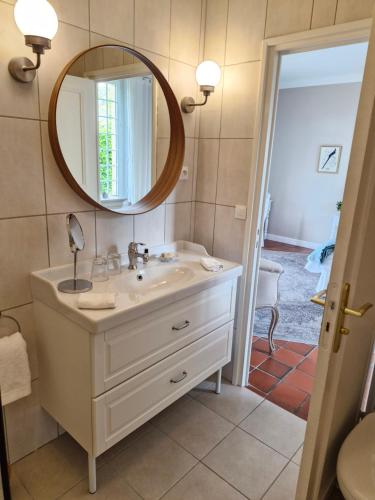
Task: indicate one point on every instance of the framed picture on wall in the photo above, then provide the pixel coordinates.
(329, 159)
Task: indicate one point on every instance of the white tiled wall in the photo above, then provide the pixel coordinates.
(34, 197)
(233, 36)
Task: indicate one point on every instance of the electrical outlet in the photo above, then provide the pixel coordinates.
(184, 176)
(240, 212)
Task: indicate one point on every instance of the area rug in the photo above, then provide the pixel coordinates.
(300, 320)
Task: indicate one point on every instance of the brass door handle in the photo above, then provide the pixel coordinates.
(318, 298)
(358, 313)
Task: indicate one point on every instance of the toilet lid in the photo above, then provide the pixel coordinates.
(356, 461)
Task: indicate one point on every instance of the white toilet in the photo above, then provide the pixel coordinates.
(356, 462)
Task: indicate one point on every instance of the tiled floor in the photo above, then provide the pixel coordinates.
(287, 376)
(231, 446)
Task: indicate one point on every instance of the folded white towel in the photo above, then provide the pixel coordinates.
(211, 264)
(15, 378)
(97, 300)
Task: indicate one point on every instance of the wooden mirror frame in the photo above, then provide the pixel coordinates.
(173, 165)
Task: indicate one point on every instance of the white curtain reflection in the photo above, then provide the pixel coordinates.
(138, 140)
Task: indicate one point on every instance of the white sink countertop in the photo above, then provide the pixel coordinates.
(162, 284)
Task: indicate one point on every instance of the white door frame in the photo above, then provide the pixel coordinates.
(273, 48)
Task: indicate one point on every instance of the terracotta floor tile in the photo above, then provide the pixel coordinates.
(262, 346)
(262, 381)
(288, 397)
(301, 380)
(314, 355)
(254, 339)
(297, 347)
(303, 410)
(257, 357)
(257, 391)
(308, 366)
(287, 357)
(275, 368)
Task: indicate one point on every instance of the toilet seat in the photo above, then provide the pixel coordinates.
(356, 462)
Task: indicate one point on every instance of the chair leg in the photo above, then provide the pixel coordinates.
(274, 321)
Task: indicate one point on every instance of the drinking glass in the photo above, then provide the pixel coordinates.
(99, 271)
(114, 263)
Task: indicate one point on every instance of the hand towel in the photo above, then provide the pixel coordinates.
(97, 300)
(15, 378)
(211, 264)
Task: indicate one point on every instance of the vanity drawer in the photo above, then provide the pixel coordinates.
(124, 408)
(132, 347)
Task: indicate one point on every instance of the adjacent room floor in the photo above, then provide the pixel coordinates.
(231, 446)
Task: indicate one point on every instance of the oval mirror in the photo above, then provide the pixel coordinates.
(116, 130)
(75, 233)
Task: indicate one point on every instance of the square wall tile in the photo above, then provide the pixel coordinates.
(21, 170)
(68, 42)
(207, 170)
(152, 25)
(210, 114)
(186, 20)
(24, 316)
(204, 225)
(16, 98)
(246, 463)
(113, 232)
(184, 188)
(59, 250)
(22, 250)
(246, 23)
(352, 10)
(60, 197)
(324, 13)
(183, 83)
(73, 12)
(228, 234)
(28, 426)
(234, 171)
(177, 223)
(216, 30)
(119, 24)
(288, 16)
(149, 227)
(240, 94)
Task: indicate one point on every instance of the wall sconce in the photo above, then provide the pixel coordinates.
(208, 75)
(37, 20)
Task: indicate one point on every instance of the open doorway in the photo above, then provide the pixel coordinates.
(318, 94)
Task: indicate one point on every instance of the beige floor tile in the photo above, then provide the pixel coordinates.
(17, 489)
(298, 456)
(234, 403)
(246, 463)
(193, 426)
(284, 488)
(153, 464)
(111, 485)
(53, 469)
(202, 484)
(276, 427)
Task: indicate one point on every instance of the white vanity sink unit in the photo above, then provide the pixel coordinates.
(104, 373)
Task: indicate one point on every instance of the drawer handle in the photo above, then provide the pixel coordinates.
(182, 325)
(178, 379)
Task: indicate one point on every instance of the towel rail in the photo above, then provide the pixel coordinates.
(7, 316)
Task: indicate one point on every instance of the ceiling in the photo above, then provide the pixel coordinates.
(343, 64)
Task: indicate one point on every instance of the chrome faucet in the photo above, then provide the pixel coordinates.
(134, 254)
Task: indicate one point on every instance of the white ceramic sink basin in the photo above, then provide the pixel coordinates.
(154, 279)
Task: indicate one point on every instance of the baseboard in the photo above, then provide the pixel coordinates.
(292, 241)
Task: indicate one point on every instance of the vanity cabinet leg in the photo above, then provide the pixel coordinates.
(92, 473)
(218, 382)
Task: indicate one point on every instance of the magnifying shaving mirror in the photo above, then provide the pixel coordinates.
(76, 243)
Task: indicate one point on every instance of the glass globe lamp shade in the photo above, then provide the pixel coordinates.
(36, 18)
(208, 74)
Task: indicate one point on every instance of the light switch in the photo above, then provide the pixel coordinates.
(240, 212)
(184, 176)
